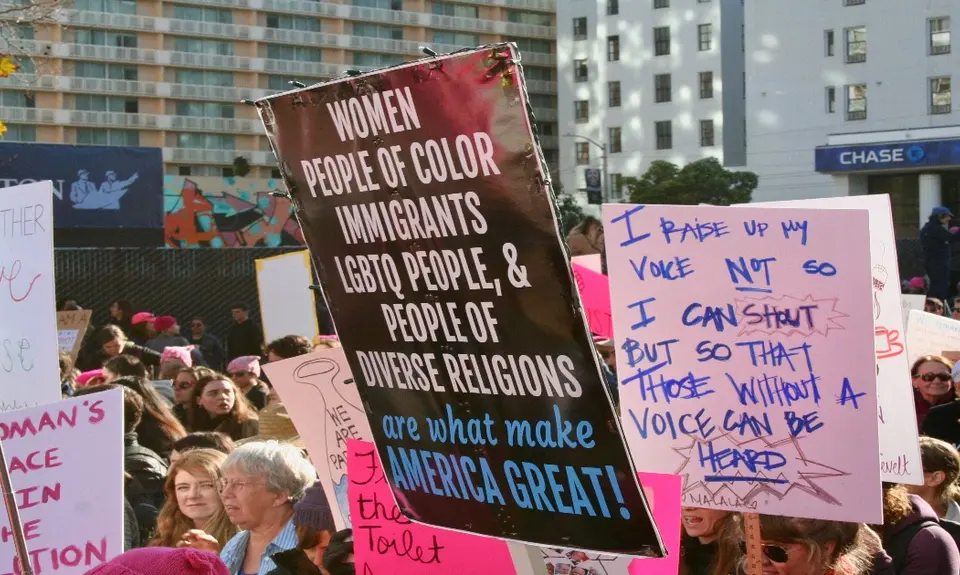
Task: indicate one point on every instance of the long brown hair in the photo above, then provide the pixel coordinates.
(171, 522)
(936, 455)
(153, 406)
(240, 413)
(729, 534)
(853, 546)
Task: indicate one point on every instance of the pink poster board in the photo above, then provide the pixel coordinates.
(387, 543)
(595, 292)
(746, 355)
(664, 493)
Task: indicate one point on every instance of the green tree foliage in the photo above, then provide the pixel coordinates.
(702, 182)
(569, 211)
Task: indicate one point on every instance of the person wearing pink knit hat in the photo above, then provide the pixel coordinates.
(245, 372)
(162, 561)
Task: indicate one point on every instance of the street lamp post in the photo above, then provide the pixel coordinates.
(605, 189)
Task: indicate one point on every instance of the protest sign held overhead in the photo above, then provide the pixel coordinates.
(71, 327)
(66, 467)
(423, 200)
(287, 306)
(930, 334)
(28, 320)
(321, 396)
(747, 361)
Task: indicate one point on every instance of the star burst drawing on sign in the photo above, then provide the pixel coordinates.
(740, 470)
(788, 315)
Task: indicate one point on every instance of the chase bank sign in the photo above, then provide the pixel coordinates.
(891, 156)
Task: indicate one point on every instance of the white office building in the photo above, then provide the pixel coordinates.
(648, 80)
(849, 97)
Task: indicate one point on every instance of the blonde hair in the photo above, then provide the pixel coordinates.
(854, 545)
(171, 522)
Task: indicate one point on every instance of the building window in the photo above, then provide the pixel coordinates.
(613, 94)
(204, 109)
(103, 38)
(532, 18)
(831, 96)
(613, 7)
(206, 141)
(856, 39)
(104, 137)
(17, 99)
(580, 71)
(706, 133)
(616, 186)
(581, 111)
(940, 35)
(662, 88)
(854, 2)
(458, 10)
(383, 4)
(661, 41)
(583, 153)
(941, 99)
(613, 141)
(828, 48)
(20, 133)
(706, 85)
(275, 173)
(705, 36)
(664, 131)
(200, 14)
(661, 4)
(857, 102)
(580, 28)
(613, 48)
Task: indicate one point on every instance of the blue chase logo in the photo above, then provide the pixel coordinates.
(916, 153)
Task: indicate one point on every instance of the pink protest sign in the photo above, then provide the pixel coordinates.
(595, 292)
(386, 542)
(746, 355)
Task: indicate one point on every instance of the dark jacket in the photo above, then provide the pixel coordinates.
(923, 408)
(697, 558)
(943, 422)
(935, 241)
(152, 436)
(258, 396)
(293, 562)
(131, 527)
(146, 466)
(932, 550)
(95, 358)
(244, 339)
(212, 350)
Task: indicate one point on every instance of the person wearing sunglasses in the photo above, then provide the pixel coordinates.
(943, 421)
(183, 384)
(709, 542)
(794, 546)
(932, 384)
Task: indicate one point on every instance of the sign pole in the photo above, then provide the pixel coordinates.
(751, 531)
(13, 515)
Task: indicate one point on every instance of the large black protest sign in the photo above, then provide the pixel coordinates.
(420, 193)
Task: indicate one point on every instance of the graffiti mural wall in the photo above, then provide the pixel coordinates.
(226, 213)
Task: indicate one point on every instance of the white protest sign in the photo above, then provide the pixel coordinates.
(931, 334)
(66, 467)
(909, 302)
(321, 383)
(287, 305)
(745, 355)
(29, 374)
(899, 442)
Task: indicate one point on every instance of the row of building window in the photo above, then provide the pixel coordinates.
(661, 38)
(940, 98)
(664, 140)
(662, 92)
(855, 40)
(657, 4)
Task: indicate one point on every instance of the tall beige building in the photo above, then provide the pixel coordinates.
(171, 74)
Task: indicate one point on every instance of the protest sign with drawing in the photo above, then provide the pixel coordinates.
(66, 467)
(899, 442)
(386, 542)
(421, 194)
(321, 396)
(747, 362)
(71, 327)
(287, 305)
(930, 334)
(28, 330)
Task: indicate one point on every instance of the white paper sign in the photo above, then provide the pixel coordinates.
(931, 334)
(320, 395)
(29, 373)
(66, 467)
(287, 305)
(899, 443)
(909, 302)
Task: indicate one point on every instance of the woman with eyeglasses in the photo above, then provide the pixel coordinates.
(261, 483)
(794, 546)
(192, 490)
(913, 537)
(217, 405)
(709, 542)
(932, 384)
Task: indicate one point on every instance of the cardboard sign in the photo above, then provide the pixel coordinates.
(746, 356)
(910, 302)
(422, 199)
(595, 294)
(930, 334)
(66, 467)
(71, 327)
(287, 305)
(321, 396)
(899, 441)
(386, 542)
(29, 374)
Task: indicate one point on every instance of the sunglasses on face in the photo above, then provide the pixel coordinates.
(776, 554)
(184, 385)
(931, 377)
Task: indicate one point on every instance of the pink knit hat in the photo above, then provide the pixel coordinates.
(181, 354)
(247, 363)
(86, 376)
(162, 561)
(917, 282)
